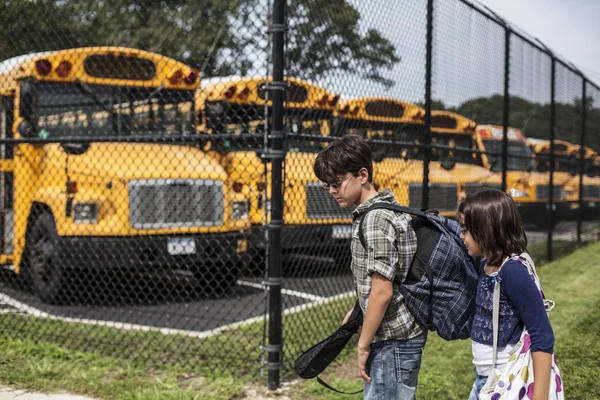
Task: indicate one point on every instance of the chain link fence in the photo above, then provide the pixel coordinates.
(158, 198)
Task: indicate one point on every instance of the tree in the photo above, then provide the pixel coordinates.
(324, 37)
(220, 37)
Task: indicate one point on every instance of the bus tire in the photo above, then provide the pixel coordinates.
(45, 270)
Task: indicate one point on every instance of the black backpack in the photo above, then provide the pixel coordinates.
(440, 288)
(314, 360)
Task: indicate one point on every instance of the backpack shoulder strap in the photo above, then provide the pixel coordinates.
(385, 206)
(335, 390)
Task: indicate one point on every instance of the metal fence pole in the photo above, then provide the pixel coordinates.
(276, 154)
(428, 67)
(581, 158)
(552, 158)
(506, 105)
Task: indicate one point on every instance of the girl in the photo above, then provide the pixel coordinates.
(491, 228)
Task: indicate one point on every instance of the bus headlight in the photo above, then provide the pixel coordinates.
(515, 193)
(240, 210)
(85, 213)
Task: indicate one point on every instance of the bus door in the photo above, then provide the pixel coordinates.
(6, 178)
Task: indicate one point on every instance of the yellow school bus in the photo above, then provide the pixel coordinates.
(455, 131)
(591, 183)
(236, 111)
(120, 196)
(529, 189)
(398, 126)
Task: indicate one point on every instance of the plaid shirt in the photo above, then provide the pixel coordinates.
(392, 244)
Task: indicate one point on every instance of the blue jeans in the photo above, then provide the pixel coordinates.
(477, 385)
(393, 367)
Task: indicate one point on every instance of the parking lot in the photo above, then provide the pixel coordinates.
(178, 307)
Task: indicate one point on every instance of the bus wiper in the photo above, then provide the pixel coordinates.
(88, 90)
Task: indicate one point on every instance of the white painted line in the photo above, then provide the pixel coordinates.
(288, 292)
(28, 310)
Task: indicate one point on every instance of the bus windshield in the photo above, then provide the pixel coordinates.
(384, 131)
(81, 109)
(562, 164)
(456, 140)
(243, 128)
(519, 155)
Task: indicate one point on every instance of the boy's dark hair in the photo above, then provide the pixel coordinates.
(349, 153)
(492, 218)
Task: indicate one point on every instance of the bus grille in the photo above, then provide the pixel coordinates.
(322, 205)
(543, 192)
(591, 192)
(473, 187)
(442, 196)
(175, 203)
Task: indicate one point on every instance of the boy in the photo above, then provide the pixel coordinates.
(392, 341)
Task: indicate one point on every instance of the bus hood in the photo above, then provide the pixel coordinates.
(409, 171)
(243, 166)
(474, 173)
(527, 179)
(139, 161)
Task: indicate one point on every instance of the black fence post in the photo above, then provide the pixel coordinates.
(506, 105)
(276, 154)
(428, 67)
(552, 158)
(581, 158)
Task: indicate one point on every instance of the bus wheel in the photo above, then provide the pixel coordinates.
(45, 270)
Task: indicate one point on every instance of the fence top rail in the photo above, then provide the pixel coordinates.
(520, 33)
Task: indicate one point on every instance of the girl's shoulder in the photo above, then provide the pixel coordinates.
(514, 270)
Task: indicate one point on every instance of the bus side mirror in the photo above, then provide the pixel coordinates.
(448, 164)
(75, 148)
(26, 129)
(28, 109)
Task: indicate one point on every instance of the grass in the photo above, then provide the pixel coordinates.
(447, 372)
(54, 356)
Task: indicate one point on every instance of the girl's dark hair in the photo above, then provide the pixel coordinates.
(349, 153)
(495, 224)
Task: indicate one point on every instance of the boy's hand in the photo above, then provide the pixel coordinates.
(347, 316)
(363, 356)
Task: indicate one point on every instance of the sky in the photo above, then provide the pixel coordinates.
(468, 50)
(570, 28)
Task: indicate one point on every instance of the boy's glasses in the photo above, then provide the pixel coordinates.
(335, 185)
(463, 229)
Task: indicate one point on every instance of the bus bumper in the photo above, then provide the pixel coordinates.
(311, 246)
(590, 210)
(146, 252)
(537, 213)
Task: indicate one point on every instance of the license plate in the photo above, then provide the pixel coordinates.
(178, 246)
(592, 204)
(341, 232)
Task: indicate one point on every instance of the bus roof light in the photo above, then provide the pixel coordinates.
(190, 78)
(176, 78)
(237, 187)
(244, 93)
(323, 100)
(334, 101)
(63, 69)
(229, 93)
(71, 187)
(43, 67)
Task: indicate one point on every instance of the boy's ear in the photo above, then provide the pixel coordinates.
(364, 175)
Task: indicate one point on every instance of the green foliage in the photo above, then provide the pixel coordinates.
(219, 37)
(534, 118)
(447, 369)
